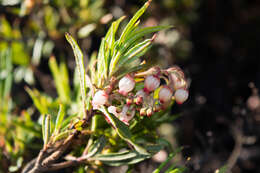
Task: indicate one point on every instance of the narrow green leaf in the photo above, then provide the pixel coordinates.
(122, 130)
(101, 66)
(136, 35)
(65, 80)
(223, 169)
(36, 97)
(120, 158)
(122, 73)
(134, 53)
(59, 119)
(110, 38)
(30, 129)
(127, 30)
(170, 168)
(178, 170)
(43, 127)
(116, 156)
(47, 129)
(92, 67)
(66, 122)
(62, 135)
(96, 147)
(60, 79)
(80, 66)
(6, 73)
(132, 22)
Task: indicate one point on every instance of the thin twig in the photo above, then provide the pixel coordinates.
(47, 156)
(37, 166)
(66, 164)
(56, 155)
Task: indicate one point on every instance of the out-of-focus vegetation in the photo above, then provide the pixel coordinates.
(33, 53)
(30, 32)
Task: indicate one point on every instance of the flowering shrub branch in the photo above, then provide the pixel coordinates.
(120, 101)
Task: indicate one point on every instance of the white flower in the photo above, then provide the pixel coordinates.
(165, 94)
(151, 82)
(181, 95)
(100, 98)
(124, 116)
(178, 82)
(126, 84)
(112, 110)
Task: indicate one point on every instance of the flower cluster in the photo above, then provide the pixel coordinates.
(160, 88)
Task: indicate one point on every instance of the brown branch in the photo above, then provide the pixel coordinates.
(56, 155)
(66, 164)
(47, 156)
(37, 163)
(29, 166)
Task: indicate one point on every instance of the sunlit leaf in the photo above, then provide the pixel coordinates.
(80, 66)
(47, 129)
(122, 130)
(59, 119)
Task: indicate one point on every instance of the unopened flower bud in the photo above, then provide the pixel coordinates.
(149, 112)
(126, 84)
(151, 82)
(142, 111)
(138, 100)
(165, 94)
(140, 95)
(129, 101)
(181, 95)
(157, 108)
(100, 98)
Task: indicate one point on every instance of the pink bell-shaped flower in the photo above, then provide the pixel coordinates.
(165, 94)
(181, 95)
(100, 98)
(151, 82)
(126, 84)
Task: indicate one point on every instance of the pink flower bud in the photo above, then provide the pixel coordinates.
(149, 112)
(140, 95)
(142, 111)
(151, 82)
(157, 108)
(181, 95)
(126, 84)
(165, 94)
(100, 98)
(129, 101)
